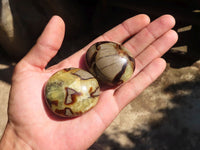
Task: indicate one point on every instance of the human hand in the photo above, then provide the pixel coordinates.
(32, 126)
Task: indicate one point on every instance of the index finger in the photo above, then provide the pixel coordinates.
(126, 29)
(118, 34)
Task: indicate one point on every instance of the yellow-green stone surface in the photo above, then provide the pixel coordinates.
(71, 92)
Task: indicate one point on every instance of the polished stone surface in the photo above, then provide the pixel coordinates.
(71, 92)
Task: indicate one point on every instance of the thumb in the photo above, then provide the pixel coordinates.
(47, 44)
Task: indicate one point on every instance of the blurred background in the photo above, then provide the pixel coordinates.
(166, 115)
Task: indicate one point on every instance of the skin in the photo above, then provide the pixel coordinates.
(32, 126)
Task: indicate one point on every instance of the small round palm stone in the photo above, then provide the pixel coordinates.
(71, 92)
(110, 63)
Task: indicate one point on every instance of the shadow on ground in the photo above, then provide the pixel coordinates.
(6, 67)
(177, 128)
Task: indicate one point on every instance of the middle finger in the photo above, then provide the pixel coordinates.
(149, 34)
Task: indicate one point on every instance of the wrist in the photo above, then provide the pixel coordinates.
(11, 141)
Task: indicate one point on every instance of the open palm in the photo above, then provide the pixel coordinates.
(30, 118)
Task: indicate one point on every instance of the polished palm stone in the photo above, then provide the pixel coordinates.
(110, 62)
(71, 92)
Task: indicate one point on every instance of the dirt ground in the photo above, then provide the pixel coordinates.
(166, 115)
